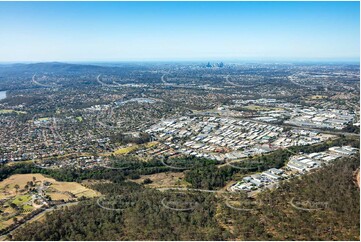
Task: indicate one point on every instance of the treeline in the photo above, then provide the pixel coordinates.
(120, 169)
(68, 175)
(128, 138)
(350, 128)
(212, 177)
(209, 177)
(341, 141)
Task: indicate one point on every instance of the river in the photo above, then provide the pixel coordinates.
(2, 95)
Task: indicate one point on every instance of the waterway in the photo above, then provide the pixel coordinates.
(2, 95)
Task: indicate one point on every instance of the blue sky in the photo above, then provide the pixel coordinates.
(121, 31)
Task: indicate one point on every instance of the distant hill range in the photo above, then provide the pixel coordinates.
(53, 67)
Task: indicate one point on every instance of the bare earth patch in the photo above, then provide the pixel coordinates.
(165, 179)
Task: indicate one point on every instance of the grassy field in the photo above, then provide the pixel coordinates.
(75, 188)
(27, 207)
(260, 108)
(58, 196)
(21, 199)
(150, 144)
(126, 150)
(5, 111)
(80, 119)
(129, 149)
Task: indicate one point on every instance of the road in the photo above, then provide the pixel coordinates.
(290, 78)
(104, 84)
(162, 79)
(269, 186)
(190, 190)
(38, 83)
(236, 85)
(3, 237)
(220, 191)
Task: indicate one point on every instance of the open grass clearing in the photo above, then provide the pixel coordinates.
(6, 111)
(126, 150)
(21, 199)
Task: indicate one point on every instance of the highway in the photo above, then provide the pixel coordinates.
(162, 79)
(38, 83)
(236, 85)
(105, 84)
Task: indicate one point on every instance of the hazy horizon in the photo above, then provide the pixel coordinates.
(231, 61)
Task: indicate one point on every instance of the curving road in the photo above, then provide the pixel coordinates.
(105, 84)
(235, 84)
(162, 79)
(35, 82)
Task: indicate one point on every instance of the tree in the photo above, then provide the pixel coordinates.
(147, 181)
(16, 187)
(14, 206)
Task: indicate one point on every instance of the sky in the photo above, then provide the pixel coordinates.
(138, 31)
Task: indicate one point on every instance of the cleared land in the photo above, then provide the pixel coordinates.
(17, 199)
(129, 149)
(7, 186)
(126, 150)
(260, 108)
(165, 179)
(317, 97)
(75, 188)
(4, 111)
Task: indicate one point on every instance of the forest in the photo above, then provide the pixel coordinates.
(300, 209)
(330, 194)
